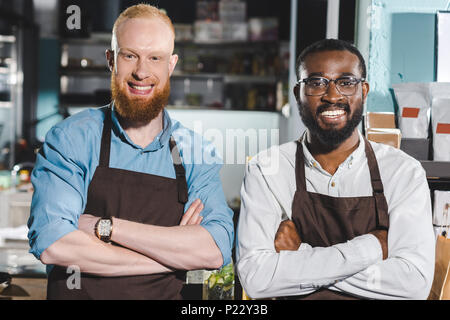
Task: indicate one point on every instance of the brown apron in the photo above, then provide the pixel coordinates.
(323, 221)
(133, 196)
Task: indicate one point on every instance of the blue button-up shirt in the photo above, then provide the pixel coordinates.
(68, 159)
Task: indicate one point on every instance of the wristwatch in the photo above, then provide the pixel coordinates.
(103, 229)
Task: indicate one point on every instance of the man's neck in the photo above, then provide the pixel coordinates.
(330, 160)
(142, 134)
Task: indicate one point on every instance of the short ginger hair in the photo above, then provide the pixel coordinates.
(141, 10)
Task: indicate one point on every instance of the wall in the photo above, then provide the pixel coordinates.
(49, 57)
(48, 86)
(401, 45)
(235, 134)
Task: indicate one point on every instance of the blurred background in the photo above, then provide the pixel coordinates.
(235, 70)
(236, 67)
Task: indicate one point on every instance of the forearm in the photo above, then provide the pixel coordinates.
(394, 278)
(187, 247)
(97, 257)
(270, 274)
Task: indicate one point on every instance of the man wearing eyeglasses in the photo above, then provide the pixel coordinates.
(341, 217)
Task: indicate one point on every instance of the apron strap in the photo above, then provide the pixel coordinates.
(106, 139)
(300, 177)
(179, 172)
(375, 176)
(381, 206)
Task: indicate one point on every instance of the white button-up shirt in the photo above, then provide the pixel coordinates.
(356, 266)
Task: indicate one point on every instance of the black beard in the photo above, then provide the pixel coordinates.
(330, 138)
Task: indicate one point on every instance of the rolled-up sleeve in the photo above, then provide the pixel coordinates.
(58, 193)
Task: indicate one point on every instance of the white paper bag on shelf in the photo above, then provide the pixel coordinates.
(414, 104)
(440, 115)
(441, 211)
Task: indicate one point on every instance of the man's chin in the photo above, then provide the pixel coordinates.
(140, 114)
(331, 135)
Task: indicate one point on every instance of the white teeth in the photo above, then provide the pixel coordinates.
(333, 113)
(141, 88)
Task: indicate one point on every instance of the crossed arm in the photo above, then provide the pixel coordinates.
(146, 249)
(58, 235)
(287, 238)
(274, 261)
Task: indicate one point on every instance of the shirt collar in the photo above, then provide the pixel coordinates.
(353, 158)
(160, 140)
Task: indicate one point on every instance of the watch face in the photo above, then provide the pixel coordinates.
(104, 227)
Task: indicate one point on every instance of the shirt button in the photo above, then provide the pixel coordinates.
(333, 184)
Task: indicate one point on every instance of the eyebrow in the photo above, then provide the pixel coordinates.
(320, 74)
(152, 53)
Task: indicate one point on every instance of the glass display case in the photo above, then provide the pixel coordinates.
(9, 96)
(18, 86)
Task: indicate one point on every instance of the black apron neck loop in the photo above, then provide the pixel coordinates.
(375, 178)
(180, 172)
(105, 146)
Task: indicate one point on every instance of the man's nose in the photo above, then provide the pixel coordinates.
(142, 70)
(332, 93)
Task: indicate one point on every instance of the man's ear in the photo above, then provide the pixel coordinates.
(172, 63)
(365, 90)
(110, 59)
(296, 91)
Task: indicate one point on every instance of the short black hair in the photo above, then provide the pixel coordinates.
(330, 45)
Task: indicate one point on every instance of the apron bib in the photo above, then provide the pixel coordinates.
(133, 196)
(323, 221)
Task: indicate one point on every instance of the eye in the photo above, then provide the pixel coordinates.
(128, 56)
(347, 82)
(316, 82)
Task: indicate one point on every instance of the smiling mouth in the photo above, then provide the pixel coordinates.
(332, 113)
(140, 90)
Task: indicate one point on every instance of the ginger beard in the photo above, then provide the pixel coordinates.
(137, 109)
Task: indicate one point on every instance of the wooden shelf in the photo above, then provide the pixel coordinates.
(437, 169)
(105, 39)
(226, 78)
(5, 104)
(438, 174)
(7, 38)
(85, 72)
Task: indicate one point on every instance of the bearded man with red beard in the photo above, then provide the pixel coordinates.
(118, 194)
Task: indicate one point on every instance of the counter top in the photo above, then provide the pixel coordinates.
(17, 261)
(25, 289)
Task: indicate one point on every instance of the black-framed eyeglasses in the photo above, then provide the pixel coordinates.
(318, 86)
